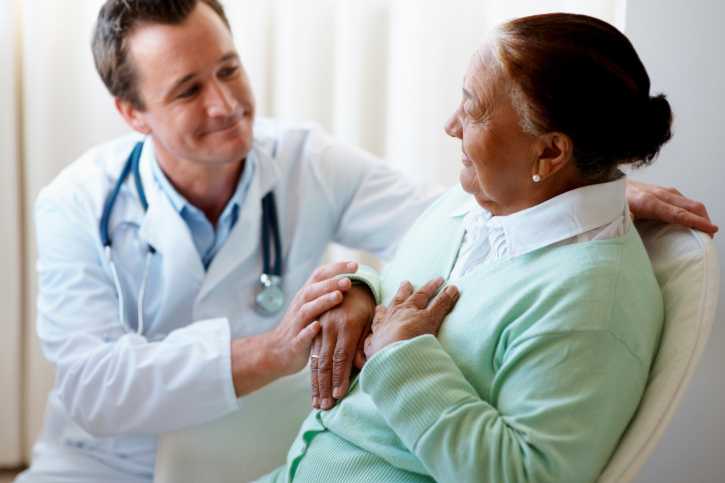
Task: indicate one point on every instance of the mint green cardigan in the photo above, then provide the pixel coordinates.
(533, 377)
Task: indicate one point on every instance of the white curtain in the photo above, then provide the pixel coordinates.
(382, 74)
(10, 243)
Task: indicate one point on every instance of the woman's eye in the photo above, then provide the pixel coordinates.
(473, 111)
(470, 111)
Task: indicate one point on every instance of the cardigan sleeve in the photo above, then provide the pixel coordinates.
(368, 276)
(555, 411)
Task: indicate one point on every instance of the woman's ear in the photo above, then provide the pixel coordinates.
(554, 150)
(133, 116)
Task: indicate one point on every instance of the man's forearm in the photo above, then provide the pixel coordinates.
(253, 364)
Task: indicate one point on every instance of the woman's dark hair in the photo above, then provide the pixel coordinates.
(581, 76)
(117, 20)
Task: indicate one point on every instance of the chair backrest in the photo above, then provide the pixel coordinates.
(685, 263)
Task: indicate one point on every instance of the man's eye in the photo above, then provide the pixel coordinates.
(190, 92)
(228, 72)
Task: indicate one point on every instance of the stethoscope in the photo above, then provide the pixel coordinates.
(269, 299)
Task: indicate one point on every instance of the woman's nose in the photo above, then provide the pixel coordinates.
(453, 126)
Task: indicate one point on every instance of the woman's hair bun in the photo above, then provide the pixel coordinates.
(581, 76)
(657, 128)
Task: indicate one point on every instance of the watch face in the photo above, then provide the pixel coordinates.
(270, 300)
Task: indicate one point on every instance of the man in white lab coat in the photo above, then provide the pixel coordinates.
(167, 336)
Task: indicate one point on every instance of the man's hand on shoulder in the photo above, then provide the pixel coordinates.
(668, 205)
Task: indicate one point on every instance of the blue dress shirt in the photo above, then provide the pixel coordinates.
(208, 238)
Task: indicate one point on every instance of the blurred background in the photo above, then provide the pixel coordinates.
(382, 74)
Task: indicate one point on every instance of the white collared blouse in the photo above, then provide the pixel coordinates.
(594, 212)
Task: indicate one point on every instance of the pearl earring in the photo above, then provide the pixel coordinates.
(536, 178)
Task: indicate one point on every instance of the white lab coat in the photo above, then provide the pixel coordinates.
(115, 391)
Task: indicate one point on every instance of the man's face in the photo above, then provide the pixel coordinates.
(199, 105)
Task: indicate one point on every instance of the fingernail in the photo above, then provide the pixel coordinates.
(352, 266)
(326, 403)
(344, 283)
(315, 402)
(452, 290)
(337, 393)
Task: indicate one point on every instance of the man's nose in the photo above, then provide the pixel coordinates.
(453, 126)
(220, 101)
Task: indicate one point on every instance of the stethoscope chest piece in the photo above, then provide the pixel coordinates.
(270, 297)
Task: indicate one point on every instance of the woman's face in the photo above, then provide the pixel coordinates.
(498, 156)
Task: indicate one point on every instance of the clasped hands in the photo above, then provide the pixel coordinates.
(355, 330)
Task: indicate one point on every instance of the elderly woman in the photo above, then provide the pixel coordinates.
(536, 373)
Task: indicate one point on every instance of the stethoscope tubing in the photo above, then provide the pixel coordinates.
(270, 226)
(270, 229)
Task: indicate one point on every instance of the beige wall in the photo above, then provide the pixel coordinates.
(681, 45)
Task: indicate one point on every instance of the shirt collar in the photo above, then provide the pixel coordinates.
(564, 216)
(177, 199)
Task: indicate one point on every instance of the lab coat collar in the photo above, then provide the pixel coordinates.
(244, 240)
(162, 226)
(267, 171)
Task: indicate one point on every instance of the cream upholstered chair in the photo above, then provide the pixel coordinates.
(686, 266)
(242, 446)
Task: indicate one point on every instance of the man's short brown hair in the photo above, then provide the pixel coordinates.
(116, 21)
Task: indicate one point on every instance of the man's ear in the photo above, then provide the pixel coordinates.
(554, 151)
(132, 116)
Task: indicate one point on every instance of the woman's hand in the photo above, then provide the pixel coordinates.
(650, 202)
(410, 314)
